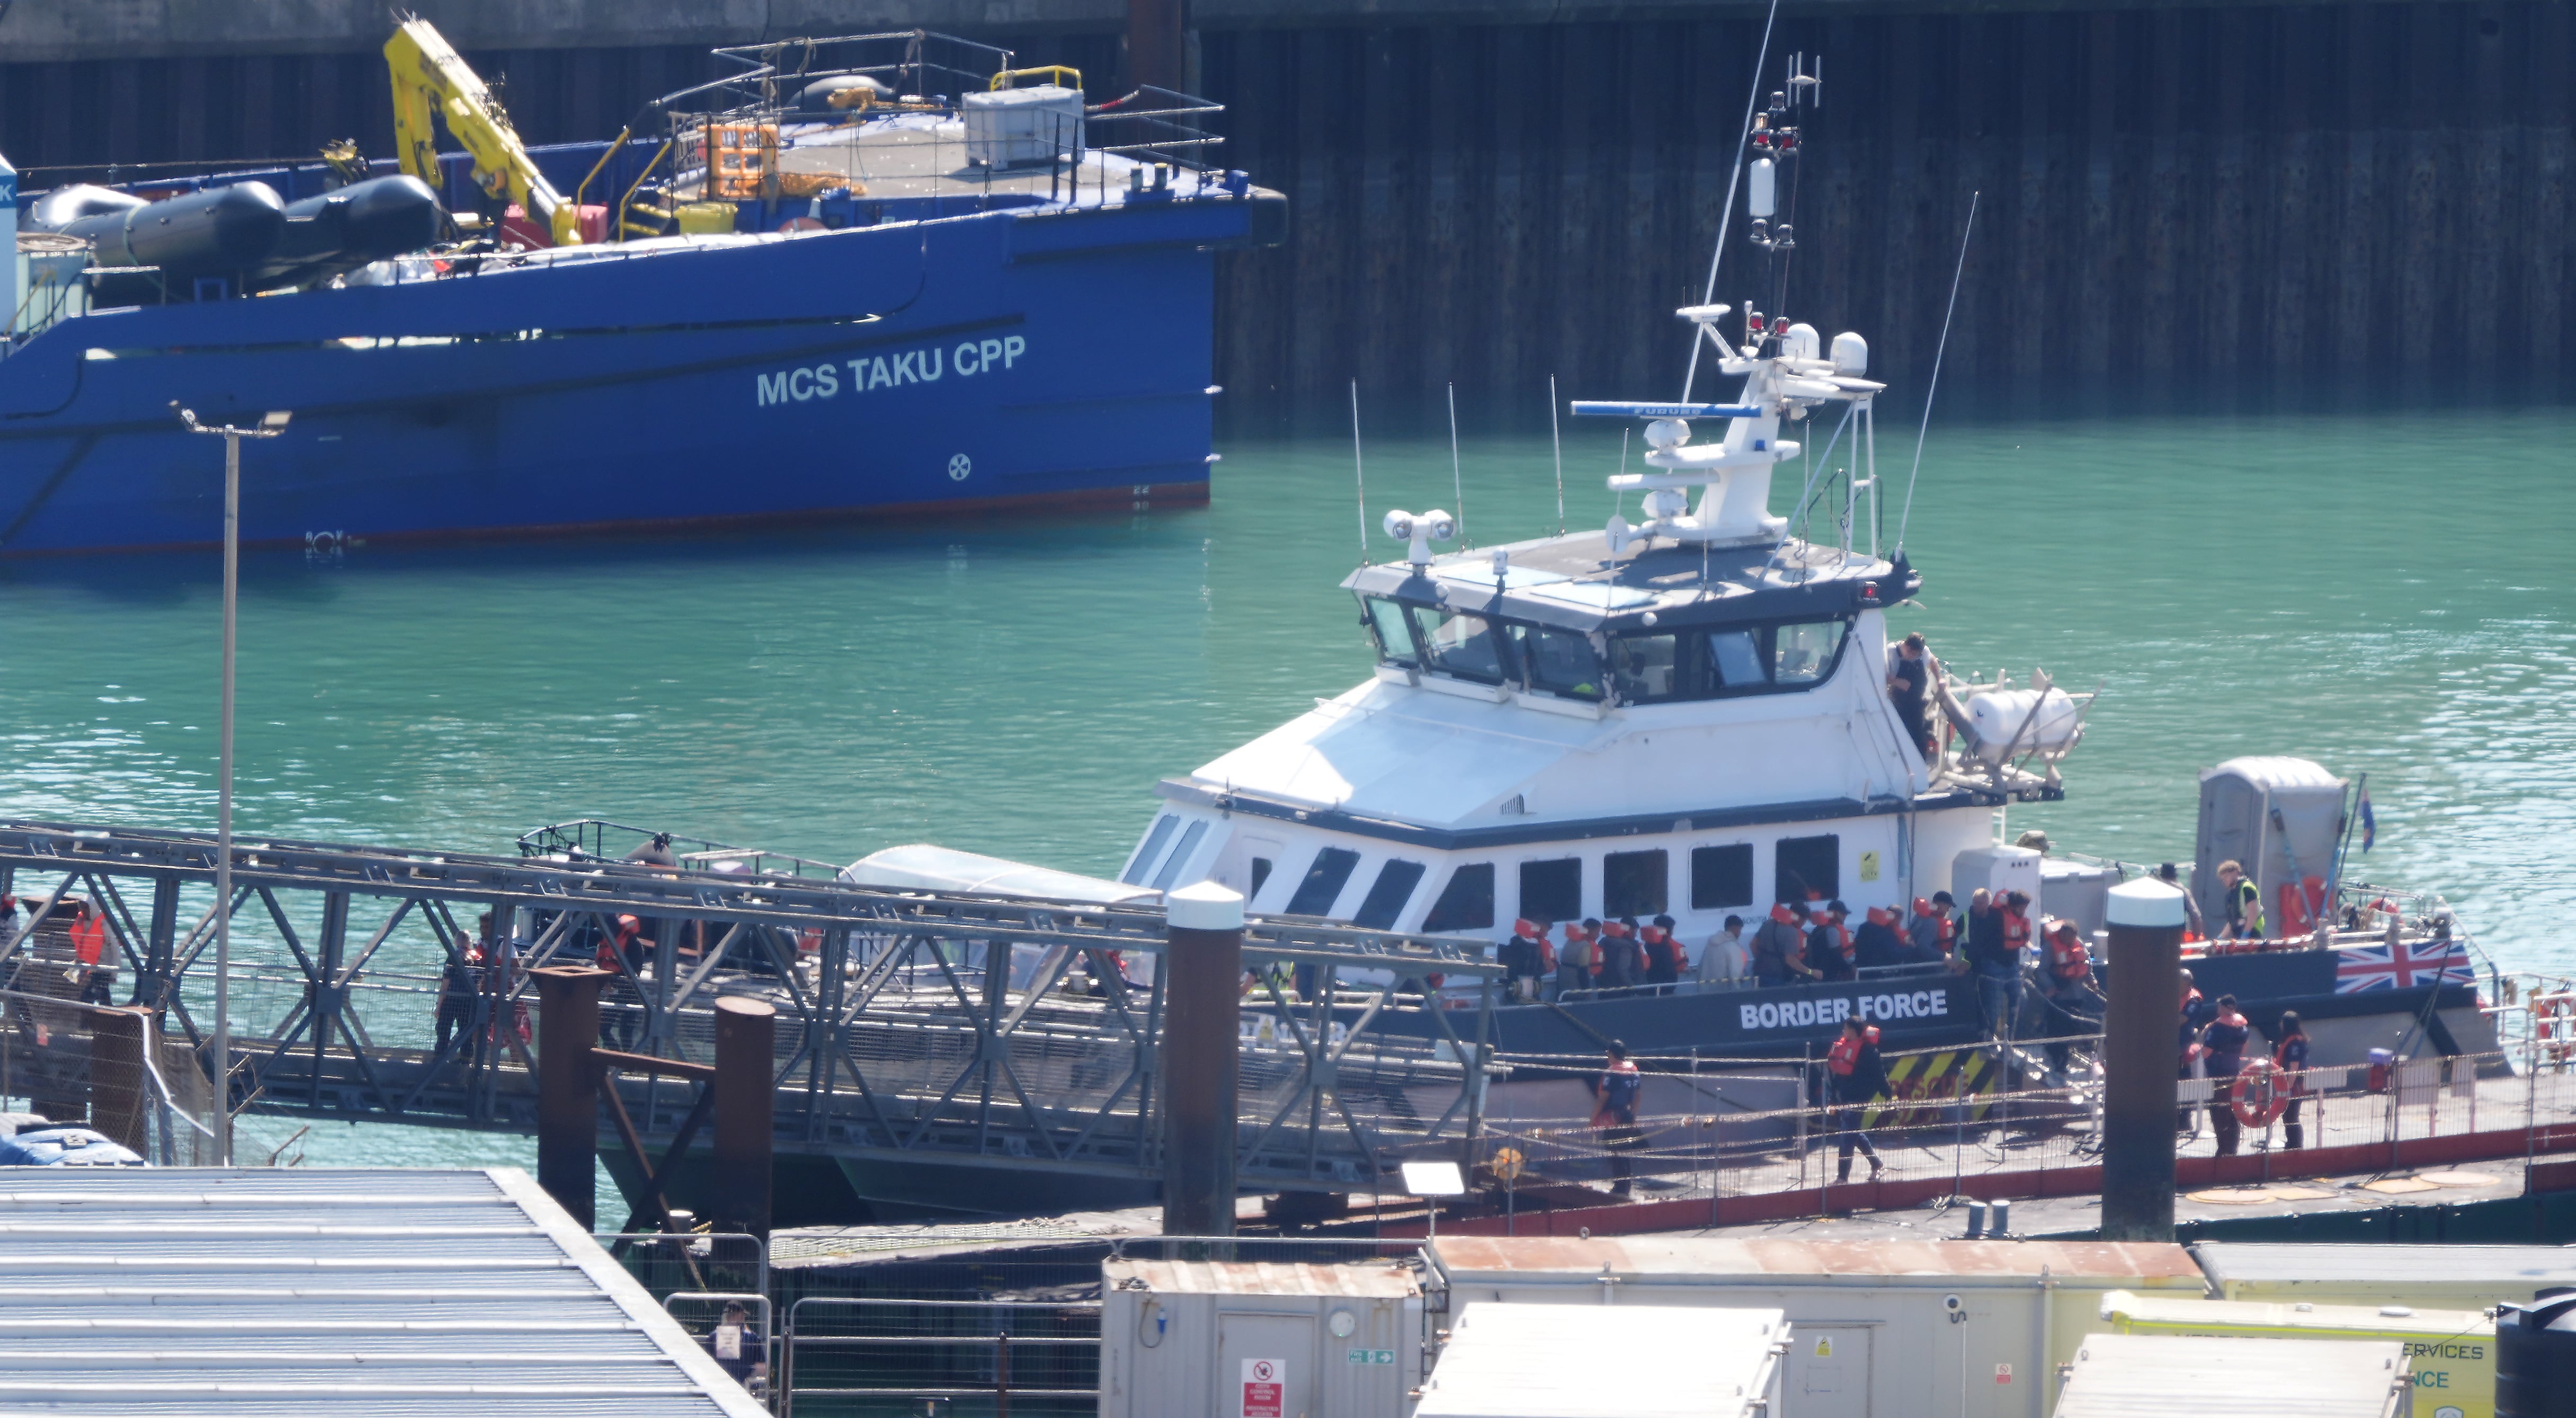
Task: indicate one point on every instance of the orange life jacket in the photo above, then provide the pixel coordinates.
(1844, 1056)
(89, 938)
(2067, 957)
(2016, 928)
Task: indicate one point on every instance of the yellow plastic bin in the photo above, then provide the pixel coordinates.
(2452, 1351)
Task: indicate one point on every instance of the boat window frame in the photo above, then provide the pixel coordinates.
(1460, 876)
(1694, 678)
(1496, 633)
(1370, 620)
(1345, 862)
(1150, 851)
(1551, 864)
(1188, 847)
(1714, 852)
(1612, 879)
(1399, 876)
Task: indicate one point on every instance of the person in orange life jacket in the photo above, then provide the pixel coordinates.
(1780, 947)
(2291, 1053)
(2196, 1014)
(1619, 967)
(1876, 944)
(1928, 937)
(1990, 953)
(1829, 945)
(1853, 1076)
(1616, 1092)
(1663, 953)
(89, 947)
(1574, 963)
(2070, 988)
(1522, 958)
(2222, 1054)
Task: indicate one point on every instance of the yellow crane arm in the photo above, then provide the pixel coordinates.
(431, 79)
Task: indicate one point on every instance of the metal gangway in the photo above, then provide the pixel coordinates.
(390, 984)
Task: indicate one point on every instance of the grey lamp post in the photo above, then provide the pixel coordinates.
(270, 426)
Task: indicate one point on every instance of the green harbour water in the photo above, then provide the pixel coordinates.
(2383, 591)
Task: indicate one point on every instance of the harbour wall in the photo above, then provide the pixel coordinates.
(2251, 193)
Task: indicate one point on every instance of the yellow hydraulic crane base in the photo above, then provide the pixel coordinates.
(429, 78)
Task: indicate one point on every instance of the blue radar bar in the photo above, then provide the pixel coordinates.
(1601, 408)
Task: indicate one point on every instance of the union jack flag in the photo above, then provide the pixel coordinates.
(2403, 966)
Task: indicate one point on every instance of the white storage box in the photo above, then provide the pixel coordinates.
(2131, 1375)
(1601, 1361)
(1013, 127)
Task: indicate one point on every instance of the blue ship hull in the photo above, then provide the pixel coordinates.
(1033, 357)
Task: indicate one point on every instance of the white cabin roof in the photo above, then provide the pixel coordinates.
(922, 866)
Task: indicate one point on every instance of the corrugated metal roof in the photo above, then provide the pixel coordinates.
(2513, 1266)
(1360, 1280)
(2130, 1263)
(2157, 1376)
(1508, 1361)
(385, 1292)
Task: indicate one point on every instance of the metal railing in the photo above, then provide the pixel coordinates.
(869, 1355)
(1000, 1033)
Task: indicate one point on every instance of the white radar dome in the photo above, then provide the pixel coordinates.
(1851, 355)
(1665, 434)
(1801, 342)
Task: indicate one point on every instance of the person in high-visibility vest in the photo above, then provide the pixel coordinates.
(2244, 902)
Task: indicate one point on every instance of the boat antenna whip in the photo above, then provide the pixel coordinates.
(1935, 386)
(1726, 212)
(1457, 479)
(1359, 474)
(1556, 435)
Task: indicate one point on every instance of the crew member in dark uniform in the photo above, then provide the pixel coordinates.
(1616, 1118)
(2222, 1050)
(2196, 1014)
(1829, 945)
(2291, 1053)
(1663, 953)
(1909, 683)
(1522, 958)
(1875, 944)
(1853, 1076)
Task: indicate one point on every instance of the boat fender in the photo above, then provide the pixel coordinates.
(2261, 1093)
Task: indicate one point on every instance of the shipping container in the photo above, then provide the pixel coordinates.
(2424, 1277)
(1596, 1361)
(1247, 1340)
(2160, 1376)
(1880, 1328)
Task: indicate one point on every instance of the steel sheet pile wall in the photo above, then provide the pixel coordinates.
(2249, 188)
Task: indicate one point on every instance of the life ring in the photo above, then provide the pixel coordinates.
(2261, 1093)
(2557, 1027)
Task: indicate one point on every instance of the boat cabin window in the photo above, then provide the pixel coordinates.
(1151, 852)
(1387, 895)
(1805, 868)
(1260, 877)
(1459, 644)
(1180, 855)
(1393, 633)
(1324, 882)
(1466, 903)
(1804, 653)
(1632, 883)
(1558, 661)
(1667, 667)
(1552, 891)
(1721, 876)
